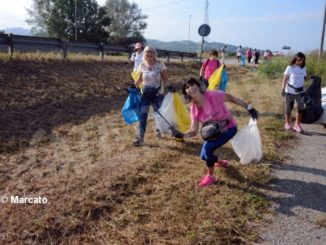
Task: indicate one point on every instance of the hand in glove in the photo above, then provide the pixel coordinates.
(171, 89)
(252, 111)
(176, 133)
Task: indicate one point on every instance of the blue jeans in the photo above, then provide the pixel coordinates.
(209, 147)
(149, 97)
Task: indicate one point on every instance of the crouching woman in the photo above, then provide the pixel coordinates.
(208, 107)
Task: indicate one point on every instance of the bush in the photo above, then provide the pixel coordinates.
(315, 68)
(275, 68)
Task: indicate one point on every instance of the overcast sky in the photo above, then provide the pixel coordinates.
(254, 23)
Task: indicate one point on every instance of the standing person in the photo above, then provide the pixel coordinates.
(152, 71)
(265, 56)
(293, 90)
(249, 55)
(209, 106)
(239, 53)
(269, 55)
(223, 50)
(137, 56)
(209, 66)
(257, 55)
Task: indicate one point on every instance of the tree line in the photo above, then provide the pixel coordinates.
(118, 21)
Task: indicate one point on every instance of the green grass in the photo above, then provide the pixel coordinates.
(276, 67)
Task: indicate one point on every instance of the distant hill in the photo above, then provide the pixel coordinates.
(18, 31)
(185, 46)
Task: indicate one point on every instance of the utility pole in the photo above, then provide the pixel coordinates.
(206, 17)
(76, 20)
(322, 36)
(189, 34)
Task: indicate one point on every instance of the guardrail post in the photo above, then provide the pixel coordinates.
(11, 46)
(130, 51)
(181, 56)
(168, 54)
(102, 50)
(64, 49)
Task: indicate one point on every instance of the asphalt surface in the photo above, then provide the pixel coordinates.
(298, 193)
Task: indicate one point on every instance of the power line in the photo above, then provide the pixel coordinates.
(164, 6)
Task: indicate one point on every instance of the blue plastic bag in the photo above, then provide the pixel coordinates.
(131, 108)
(225, 78)
(243, 60)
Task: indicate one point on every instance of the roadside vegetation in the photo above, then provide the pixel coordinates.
(62, 137)
(276, 67)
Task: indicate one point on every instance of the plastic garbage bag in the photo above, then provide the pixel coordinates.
(182, 114)
(131, 108)
(224, 80)
(247, 143)
(173, 113)
(135, 76)
(243, 60)
(215, 79)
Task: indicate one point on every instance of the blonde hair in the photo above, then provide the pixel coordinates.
(150, 49)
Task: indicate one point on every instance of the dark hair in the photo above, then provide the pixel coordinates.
(190, 82)
(214, 52)
(299, 55)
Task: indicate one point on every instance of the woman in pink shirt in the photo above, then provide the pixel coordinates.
(209, 106)
(209, 66)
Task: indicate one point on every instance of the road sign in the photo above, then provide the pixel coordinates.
(204, 30)
(286, 47)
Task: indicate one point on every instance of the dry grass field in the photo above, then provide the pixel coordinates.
(62, 137)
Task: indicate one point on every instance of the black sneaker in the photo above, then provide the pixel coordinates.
(139, 141)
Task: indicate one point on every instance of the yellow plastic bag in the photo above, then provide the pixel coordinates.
(182, 114)
(215, 80)
(135, 76)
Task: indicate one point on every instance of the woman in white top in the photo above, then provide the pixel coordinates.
(152, 71)
(293, 90)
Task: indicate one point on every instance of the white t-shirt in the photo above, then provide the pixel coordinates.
(152, 74)
(296, 78)
(137, 58)
(239, 51)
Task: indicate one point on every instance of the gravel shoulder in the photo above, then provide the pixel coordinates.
(298, 193)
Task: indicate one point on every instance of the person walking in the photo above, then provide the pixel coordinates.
(137, 56)
(209, 66)
(293, 90)
(152, 71)
(207, 107)
(256, 55)
(223, 51)
(239, 53)
(249, 55)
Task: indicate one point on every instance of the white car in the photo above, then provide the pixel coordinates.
(322, 119)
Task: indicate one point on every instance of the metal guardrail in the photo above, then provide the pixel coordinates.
(18, 43)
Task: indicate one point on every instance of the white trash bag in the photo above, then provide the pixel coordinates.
(168, 112)
(247, 143)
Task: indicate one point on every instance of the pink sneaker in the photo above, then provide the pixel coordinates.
(222, 164)
(297, 128)
(207, 180)
(287, 126)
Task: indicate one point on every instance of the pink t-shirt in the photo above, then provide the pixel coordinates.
(214, 109)
(210, 66)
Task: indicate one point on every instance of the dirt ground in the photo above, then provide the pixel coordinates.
(62, 137)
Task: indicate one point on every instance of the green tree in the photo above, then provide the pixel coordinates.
(39, 14)
(57, 19)
(127, 22)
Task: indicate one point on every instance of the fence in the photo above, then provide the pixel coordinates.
(17, 43)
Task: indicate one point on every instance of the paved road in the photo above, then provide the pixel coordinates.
(298, 193)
